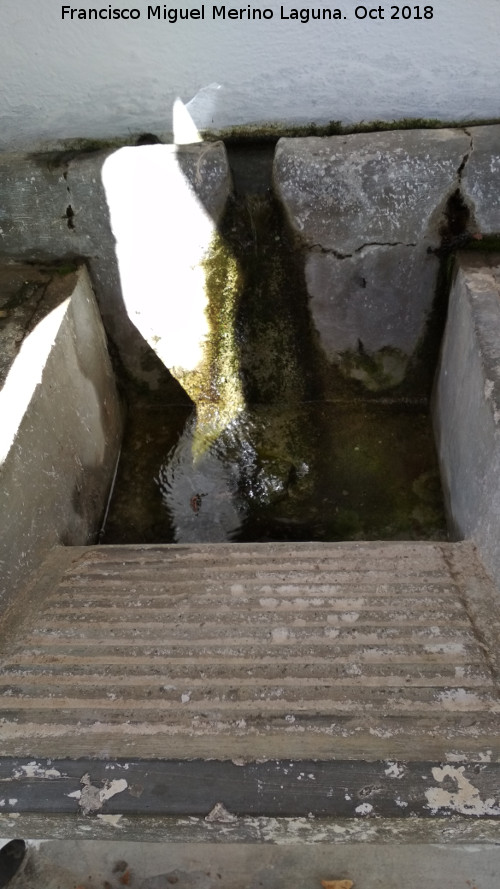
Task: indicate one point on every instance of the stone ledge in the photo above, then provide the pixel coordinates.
(467, 406)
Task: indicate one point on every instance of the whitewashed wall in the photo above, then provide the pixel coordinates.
(61, 79)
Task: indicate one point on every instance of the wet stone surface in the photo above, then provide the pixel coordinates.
(312, 472)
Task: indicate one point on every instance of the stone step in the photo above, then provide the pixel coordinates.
(342, 679)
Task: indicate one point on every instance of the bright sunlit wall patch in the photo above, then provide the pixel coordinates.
(166, 203)
(162, 234)
(25, 375)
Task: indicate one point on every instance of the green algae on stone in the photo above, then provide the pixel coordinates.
(214, 386)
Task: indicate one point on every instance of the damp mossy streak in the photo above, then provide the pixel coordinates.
(260, 346)
(363, 471)
(215, 385)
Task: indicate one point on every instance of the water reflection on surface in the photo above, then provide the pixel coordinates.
(201, 494)
(312, 472)
(243, 471)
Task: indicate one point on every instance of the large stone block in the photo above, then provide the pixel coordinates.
(369, 211)
(33, 208)
(60, 418)
(481, 177)
(345, 192)
(379, 298)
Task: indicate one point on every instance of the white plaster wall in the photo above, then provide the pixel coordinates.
(65, 79)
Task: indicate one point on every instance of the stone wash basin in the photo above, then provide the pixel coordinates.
(357, 239)
(211, 697)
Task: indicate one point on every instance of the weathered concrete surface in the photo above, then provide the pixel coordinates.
(60, 419)
(466, 407)
(362, 651)
(189, 865)
(481, 177)
(55, 206)
(316, 693)
(369, 210)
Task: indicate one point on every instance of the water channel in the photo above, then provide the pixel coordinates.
(300, 453)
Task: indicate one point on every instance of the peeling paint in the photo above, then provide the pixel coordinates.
(364, 809)
(219, 814)
(91, 799)
(277, 831)
(486, 756)
(460, 698)
(394, 770)
(35, 770)
(112, 820)
(465, 800)
(483, 756)
(111, 788)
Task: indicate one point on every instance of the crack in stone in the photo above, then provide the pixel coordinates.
(466, 157)
(384, 244)
(459, 225)
(330, 251)
(318, 248)
(337, 253)
(69, 215)
(460, 173)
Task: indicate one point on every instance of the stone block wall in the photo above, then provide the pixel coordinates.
(374, 215)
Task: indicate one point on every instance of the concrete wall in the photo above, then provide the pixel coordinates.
(467, 407)
(63, 79)
(60, 421)
(448, 862)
